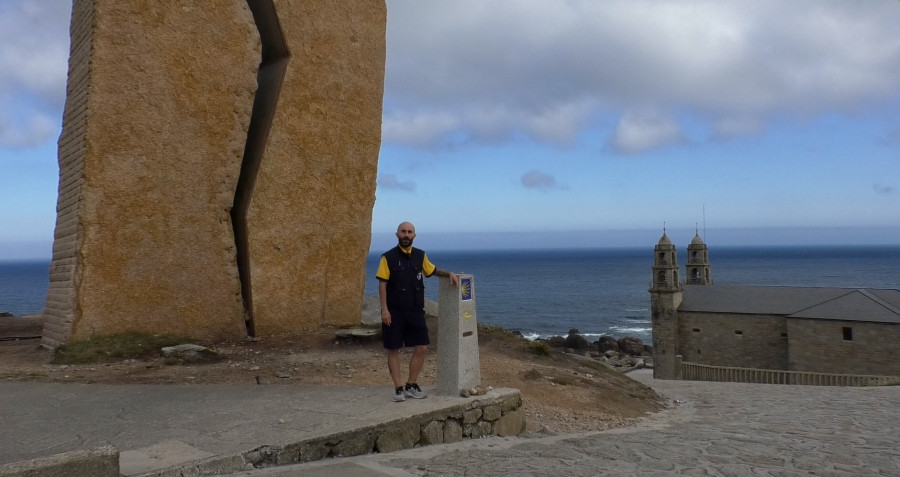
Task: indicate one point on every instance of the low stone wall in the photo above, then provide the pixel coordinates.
(499, 412)
(100, 462)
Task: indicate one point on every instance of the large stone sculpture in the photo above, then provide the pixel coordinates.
(217, 167)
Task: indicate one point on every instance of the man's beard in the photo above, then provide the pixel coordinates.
(405, 242)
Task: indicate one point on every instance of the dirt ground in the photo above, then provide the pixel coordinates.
(561, 394)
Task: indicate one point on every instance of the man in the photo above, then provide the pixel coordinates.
(401, 288)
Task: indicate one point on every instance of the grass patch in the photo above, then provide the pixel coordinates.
(538, 347)
(105, 349)
(532, 374)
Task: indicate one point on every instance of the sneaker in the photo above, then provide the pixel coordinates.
(412, 390)
(398, 394)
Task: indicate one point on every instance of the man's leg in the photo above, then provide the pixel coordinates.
(394, 366)
(416, 362)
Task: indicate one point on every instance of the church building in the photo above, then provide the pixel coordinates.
(815, 329)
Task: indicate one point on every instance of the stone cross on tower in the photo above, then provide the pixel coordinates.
(665, 298)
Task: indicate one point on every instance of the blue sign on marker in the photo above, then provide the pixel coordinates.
(465, 288)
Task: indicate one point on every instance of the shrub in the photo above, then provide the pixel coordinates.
(539, 348)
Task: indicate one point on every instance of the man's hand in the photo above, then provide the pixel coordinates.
(382, 296)
(454, 280)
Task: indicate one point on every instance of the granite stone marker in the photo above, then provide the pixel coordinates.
(217, 167)
(458, 366)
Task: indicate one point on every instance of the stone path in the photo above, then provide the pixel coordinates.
(715, 429)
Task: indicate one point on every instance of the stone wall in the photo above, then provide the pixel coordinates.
(819, 346)
(750, 341)
(666, 346)
(497, 413)
(159, 103)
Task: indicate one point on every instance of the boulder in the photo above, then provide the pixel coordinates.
(607, 343)
(631, 345)
(556, 341)
(576, 341)
(371, 311)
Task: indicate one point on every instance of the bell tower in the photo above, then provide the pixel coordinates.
(665, 298)
(697, 267)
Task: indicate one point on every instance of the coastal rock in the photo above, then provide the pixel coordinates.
(607, 343)
(631, 345)
(576, 341)
(556, 341)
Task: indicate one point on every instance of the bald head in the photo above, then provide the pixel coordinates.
(406, 233)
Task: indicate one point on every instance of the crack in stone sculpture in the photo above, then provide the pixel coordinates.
(167, 183)
(272, 67)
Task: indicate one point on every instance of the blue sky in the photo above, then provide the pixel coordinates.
(578, 123)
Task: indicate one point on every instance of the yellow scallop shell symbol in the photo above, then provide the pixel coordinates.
(465, 289)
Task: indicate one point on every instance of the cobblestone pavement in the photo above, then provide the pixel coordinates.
(714, 429)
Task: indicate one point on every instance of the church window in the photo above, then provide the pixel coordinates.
(739, 333)
(696, 330)
(848, 333)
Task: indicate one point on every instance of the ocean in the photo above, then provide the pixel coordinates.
(542, 293)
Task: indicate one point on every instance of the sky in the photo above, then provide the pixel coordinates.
(535, 123)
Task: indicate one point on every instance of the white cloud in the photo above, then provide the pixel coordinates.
(34, 51)
(29, 131)
(415, 128)
(535, 179)
(640, 132)
(509, 68)
(391, 182)
(883, 189)
(732, 126)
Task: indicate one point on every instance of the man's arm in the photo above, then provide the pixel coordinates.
(382, 296)
(431, 270)
(454, 280)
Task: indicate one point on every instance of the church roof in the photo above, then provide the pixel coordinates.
(844, 304)
(697, 240)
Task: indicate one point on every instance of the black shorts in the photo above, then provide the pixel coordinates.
(407, 328)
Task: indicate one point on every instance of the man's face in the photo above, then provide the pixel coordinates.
(405, 234)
